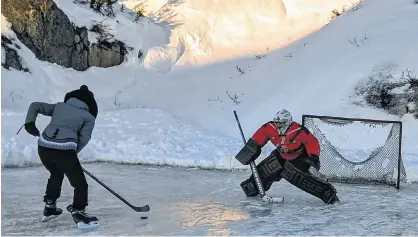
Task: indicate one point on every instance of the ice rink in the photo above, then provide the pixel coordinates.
(204, 202)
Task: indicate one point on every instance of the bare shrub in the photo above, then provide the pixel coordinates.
(104, 7)
(139, 11)
(233, 96)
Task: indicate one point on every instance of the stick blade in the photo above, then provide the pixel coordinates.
(145, 208)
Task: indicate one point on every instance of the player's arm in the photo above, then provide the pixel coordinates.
(312, 148)
(261, 136)
(252, 149)
(85, 133)
(36, 108)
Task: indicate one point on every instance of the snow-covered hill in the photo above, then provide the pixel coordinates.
(316, 74)
(194, 32)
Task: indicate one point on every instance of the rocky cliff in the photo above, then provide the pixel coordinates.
(49, 34)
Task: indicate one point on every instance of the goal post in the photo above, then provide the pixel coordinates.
(342, 160)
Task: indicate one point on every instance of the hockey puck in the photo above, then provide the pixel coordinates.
(144, 217)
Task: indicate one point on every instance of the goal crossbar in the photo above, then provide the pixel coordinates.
(350, 119)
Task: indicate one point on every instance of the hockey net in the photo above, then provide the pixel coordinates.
(380, 165)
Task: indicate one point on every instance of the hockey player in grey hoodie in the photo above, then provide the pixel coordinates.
(70, 129)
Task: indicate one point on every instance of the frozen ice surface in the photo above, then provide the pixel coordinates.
(187, 201)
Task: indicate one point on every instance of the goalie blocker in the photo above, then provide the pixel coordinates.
(249, 152)
(274, 168)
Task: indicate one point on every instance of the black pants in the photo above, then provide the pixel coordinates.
(298, 163)
(60, 163)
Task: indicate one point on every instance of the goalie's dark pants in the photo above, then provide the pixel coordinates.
(295, 172)
(268, 181)
(60, 163)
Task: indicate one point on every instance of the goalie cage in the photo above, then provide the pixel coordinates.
(335, 167)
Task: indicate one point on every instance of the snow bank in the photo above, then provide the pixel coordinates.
(136, 136)
(149, 136)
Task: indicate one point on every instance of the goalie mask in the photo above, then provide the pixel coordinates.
(283, 119)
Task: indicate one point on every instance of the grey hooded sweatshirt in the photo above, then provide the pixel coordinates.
(71, 124)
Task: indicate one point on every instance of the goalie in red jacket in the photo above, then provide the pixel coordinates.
(297, 149)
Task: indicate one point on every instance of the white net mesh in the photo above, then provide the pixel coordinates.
(380, 165)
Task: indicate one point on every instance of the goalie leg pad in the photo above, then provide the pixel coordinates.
(308, 183)
(249, 152)
(250, 189)
(269, 168)
(269, 171)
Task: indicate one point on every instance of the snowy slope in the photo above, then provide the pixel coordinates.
(193, 32)
(314, 75)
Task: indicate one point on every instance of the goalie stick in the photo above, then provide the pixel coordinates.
(257, 179)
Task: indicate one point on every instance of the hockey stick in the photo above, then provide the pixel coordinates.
(20, 129)
(137, 209)
(256, 176)
(145, 208)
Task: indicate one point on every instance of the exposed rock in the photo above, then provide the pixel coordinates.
(396, 97)
(11, 57)
(80, 49)
(414, 106)
(42, 27)
(106, 54)
(399, 105)
(49, 34)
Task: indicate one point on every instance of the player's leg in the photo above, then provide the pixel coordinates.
(269, 170)
(74, 172)
(53, 187)
(302, 179)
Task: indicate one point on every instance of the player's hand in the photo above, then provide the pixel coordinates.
(31, 129)
(313, 161)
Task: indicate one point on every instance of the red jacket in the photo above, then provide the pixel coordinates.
(292, 144)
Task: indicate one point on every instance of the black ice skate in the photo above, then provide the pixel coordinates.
(82, 218)
(51, 211)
